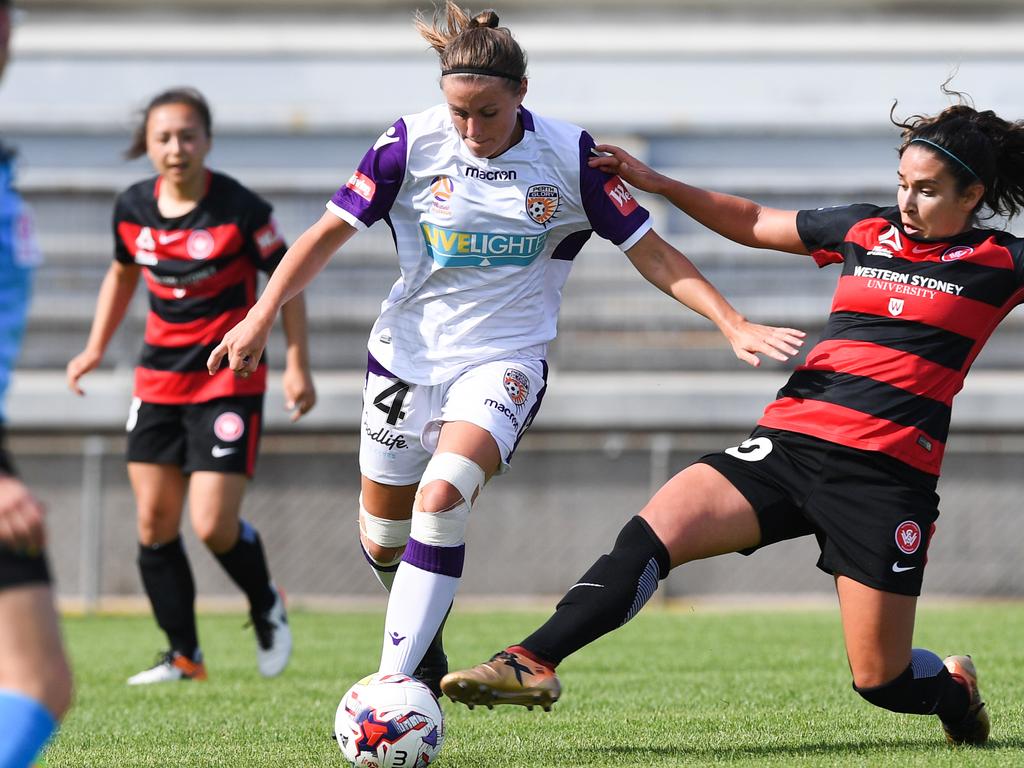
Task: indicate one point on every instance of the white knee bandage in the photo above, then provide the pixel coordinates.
(381, 531)
(448, 528)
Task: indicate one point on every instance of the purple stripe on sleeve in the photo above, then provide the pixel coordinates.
(612, 211)
(447, 561)
(371, 190)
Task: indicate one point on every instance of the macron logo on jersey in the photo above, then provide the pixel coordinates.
(619, 195)
(362, 185)
(452, 248)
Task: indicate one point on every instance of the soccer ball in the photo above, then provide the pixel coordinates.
(389, 721)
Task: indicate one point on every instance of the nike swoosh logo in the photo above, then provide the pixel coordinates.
(219, 452)
(167, 239)
(585, 584)
(388, 137)
(897, 568)
(928, 248)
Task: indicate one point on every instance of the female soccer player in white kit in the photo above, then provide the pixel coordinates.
(489, 204)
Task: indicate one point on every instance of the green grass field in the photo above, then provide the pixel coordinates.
(673, 688)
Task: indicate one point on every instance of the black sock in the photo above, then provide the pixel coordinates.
(167, 579)
(937, 694)
(247, 567)
(953, 700)
(605, 597)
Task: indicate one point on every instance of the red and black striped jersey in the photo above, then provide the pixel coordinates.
(908, 318)
(201, 272)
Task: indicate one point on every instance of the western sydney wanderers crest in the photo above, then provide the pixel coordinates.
(908, 537)
(200, 244)
(542, 201)
(517, 384)
(228, 427)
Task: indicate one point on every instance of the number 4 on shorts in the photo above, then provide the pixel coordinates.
(396, 392)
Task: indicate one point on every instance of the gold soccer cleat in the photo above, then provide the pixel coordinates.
(974, 728)
(508, 678)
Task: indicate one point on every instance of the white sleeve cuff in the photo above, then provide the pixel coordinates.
(642, 230)
(344, 215)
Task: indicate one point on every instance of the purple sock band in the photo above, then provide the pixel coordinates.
(447, 561)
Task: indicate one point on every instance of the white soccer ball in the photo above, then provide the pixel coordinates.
(389, 721)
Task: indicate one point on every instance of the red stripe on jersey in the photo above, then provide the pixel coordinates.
(987, 253)
(855, 429)
(879, 232)
(252, 444)
(197, 245)
(1011, 304)
(893, 366)
(237, 271)
(823, 257)
(170, 388)
(874, 296)
(198, 332)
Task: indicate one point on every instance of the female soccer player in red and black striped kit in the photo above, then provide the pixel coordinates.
(851, 449)
(200, 239)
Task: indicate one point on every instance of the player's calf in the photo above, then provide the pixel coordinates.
(929, 686)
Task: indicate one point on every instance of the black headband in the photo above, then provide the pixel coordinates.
(480, 71)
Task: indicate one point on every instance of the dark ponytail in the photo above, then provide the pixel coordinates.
(975, 147)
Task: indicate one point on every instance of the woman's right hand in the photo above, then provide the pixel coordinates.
(81, 364)
(21, 517)
(619, 161)
(243, 345)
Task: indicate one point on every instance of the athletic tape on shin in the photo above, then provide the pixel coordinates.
(381, 531)
(447, 528)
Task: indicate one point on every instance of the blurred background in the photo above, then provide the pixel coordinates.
(786, 102)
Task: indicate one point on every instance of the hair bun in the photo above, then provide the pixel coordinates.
(486, 18)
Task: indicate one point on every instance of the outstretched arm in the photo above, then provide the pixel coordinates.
(668, 269)
(115, 295)
(741, 220)
(299, 392)
(243, 345)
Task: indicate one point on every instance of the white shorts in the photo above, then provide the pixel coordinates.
(402, 422)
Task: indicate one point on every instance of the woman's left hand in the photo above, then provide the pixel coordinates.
(299, 391)
(750, 339)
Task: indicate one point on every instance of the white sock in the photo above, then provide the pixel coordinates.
(419, 601)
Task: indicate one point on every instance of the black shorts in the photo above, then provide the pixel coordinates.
(873, 515)
(220, 435)
(18, 570)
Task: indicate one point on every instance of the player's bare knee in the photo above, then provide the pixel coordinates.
(438, 496)
(378, 553)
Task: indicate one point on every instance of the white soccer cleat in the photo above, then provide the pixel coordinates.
(171, 668)
(273, 638)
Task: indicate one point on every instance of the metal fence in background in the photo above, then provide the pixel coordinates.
(534, 531)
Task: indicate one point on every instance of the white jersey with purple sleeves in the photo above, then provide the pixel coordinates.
(484, 245)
